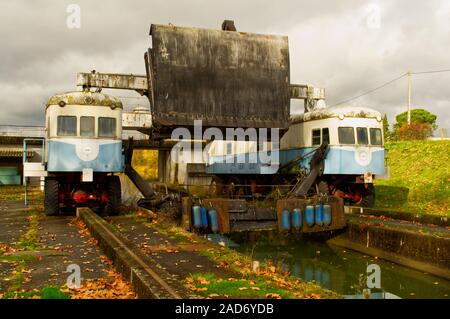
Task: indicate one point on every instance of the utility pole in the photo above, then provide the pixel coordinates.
(409, 98)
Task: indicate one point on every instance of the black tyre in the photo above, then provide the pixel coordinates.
(51, 197)
(368, 199)
(114, 191)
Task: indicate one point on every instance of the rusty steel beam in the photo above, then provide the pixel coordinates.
(121, 81)
(138, 82)
(303, 92)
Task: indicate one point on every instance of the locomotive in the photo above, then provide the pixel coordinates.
(355, 156)
(83, 151)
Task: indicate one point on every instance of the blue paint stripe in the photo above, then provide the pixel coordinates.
(338, 161)
(62, 157)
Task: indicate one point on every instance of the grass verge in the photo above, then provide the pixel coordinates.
(419, 178)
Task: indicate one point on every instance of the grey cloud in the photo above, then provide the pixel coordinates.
(331, 45)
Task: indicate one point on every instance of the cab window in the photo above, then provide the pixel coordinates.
(87, 126)
(346, 135)
(316, 137)
(325, 136)
(375, 136)
(361, 133)
(67, 125)
(106, 127)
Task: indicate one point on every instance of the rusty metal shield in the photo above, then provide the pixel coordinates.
(224, 78)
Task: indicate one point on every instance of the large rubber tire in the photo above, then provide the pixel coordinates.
(114, 192)
(51, 197)
(368, 199)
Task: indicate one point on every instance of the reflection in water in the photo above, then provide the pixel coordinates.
(344, 271)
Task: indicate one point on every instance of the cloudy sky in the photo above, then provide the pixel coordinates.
(346, 46)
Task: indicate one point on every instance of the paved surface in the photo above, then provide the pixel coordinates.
(179, 257)
(60, 242)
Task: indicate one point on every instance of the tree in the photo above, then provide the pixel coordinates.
(415, 131)
(417, 115)
(387, 133)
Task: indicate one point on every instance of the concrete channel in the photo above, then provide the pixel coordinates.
(414, 252)
(414, 243)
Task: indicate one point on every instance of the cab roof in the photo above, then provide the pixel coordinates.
(336, 111)
(85, 98)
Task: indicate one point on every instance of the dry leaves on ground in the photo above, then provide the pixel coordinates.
(112, 287)
(7, 250)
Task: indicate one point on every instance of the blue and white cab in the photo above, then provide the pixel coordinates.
(354, 136)
(84, 131)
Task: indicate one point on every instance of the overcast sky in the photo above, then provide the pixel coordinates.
(345, 46)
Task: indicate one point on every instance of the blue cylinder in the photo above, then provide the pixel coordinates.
(285, 220)
(213, 220)
(196, 216)
(296, 270)
(309, 274)
(318, 276)
(309, 215)
(204, 216)
(326, 280)
(327, 214)
(297, 218)
(319, 215)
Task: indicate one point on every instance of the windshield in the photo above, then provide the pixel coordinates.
(106, 127)
(375, 136)
(346, 135)
(363, 138)
(67, 125)
(87, 126)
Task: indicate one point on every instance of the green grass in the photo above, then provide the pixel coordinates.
(254, 286)
(28, 240)
(48, 292)
(17, 258)
(235, 288)
(17, 193)
(11, 193)
(419, 179)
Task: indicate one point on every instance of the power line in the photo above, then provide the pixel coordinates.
(434, 71)
(389, 82)
(371, 91)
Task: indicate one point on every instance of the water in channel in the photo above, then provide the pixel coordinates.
(344, 271)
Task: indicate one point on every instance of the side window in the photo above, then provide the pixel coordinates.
(316, 137)
(375, 136)
(363, 138)
(106, 127)
(325, 135)
(87, 126)
(346, 135)
(67, 125)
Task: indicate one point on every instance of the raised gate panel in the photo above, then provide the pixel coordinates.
(224, 78)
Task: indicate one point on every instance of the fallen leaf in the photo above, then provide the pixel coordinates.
(203, 281)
